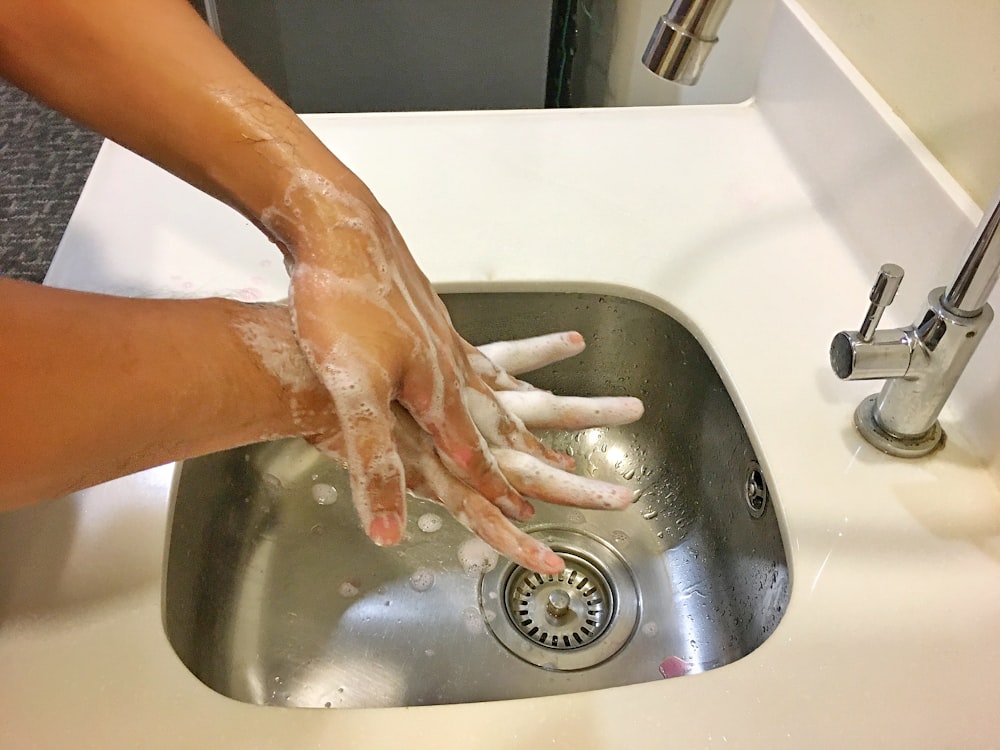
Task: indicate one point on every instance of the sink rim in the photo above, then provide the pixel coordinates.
(601, 297)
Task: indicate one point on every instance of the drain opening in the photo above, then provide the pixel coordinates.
(572, 620)
(560, 612)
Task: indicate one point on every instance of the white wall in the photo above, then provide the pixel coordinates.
(938, 65)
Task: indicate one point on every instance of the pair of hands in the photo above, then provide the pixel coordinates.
(402, 381)
(552, 481)
(418, 407)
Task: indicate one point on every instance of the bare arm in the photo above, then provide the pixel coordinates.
(93, 387)
(152, 76)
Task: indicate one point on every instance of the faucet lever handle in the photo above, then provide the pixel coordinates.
(886, 285)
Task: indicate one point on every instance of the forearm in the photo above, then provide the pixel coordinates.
(94, 387)
(152, 76)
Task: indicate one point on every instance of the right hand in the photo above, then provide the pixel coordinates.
(378, 337)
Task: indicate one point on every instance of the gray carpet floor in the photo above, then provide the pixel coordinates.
(44, 161)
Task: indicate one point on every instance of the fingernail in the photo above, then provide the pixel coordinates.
(527, 512)
(515, 508)
(463, 457)
(568, 462)
(386, 529)
(551, 562)
(623, 497)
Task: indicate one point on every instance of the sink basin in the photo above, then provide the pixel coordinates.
(274, 596)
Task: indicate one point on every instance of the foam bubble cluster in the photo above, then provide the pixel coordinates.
(429, 523)
(477, 557)
(421, 579)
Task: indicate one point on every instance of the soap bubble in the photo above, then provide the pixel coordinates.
(477, 557)
(324, 494)
(348, 590)
(429, 522)
(473, 619)
(272, 482)
(421, 579)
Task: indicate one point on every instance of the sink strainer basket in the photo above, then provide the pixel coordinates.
(573, 620)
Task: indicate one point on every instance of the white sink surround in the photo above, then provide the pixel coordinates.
(761, 226)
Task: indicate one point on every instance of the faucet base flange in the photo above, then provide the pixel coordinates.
(902, 447)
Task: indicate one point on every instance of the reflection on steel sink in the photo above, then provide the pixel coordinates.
(274, 596)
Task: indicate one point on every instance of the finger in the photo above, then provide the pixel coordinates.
(495, 377)
(427, 476)
(458, 441)
(505, 430)
(378, 482)
(524, 355)
(537, 479)
(484, 520)
(541, 410)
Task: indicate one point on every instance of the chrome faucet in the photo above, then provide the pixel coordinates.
(682, 39)
(921, 363)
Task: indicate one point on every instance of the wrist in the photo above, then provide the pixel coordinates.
(297, 403)
(325, 217)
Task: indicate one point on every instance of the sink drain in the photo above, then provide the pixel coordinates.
(561, 612)
(573, 620)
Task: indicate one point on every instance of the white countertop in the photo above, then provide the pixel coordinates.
(891, 635)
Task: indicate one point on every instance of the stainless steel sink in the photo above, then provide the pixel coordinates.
(274, 596)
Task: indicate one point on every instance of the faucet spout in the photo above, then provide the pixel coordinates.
(978, 275)
(682, 39)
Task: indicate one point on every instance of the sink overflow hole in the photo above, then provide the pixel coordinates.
(756, 490)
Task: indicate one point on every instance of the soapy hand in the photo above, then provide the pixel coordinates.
(376, 335)
(427, 475)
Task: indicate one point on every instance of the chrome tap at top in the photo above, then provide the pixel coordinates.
(923, 362)
(682, 39)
